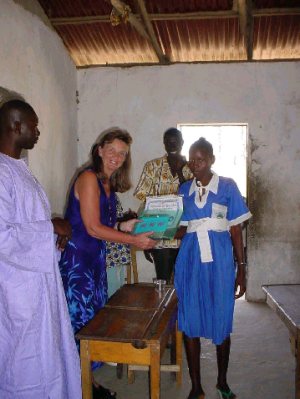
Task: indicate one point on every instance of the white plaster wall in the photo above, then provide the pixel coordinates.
(147, 100)
(34, 63)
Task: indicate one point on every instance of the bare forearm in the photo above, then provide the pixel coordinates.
(237, 242)
(142, 241)
(103, 232)
(180, 232)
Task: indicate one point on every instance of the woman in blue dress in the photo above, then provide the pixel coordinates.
(92, 213)
(205, 276)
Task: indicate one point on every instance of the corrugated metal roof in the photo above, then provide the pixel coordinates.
(276, 38)
(102, 44)
(183, 31)
(204, 40)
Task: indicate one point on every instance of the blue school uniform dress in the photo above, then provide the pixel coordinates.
(205, 269)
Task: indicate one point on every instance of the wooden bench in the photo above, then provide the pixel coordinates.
(284, 299)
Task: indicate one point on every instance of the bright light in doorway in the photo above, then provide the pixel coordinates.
(230, 148)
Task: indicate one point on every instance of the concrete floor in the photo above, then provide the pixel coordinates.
(261, 363)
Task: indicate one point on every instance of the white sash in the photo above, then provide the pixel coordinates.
(201, 227)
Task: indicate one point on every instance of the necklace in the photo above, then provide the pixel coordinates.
(201, 189)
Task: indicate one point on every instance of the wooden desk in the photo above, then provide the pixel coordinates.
(285, 300)
(133, 328)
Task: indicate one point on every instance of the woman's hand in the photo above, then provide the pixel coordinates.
(140, 240)
(143, 241)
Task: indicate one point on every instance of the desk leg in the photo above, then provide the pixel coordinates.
(179, 355)
(86, 370)
(297, 376)
(155, 371)
(128, 278)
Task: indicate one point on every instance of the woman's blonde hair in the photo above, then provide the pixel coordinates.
(120, 179)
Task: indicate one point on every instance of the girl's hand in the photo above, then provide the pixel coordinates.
(128, 215)
(127, 226)
(240, 282)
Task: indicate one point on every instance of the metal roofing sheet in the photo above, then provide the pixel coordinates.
(183, 33)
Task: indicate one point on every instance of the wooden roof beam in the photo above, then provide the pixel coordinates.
(140, 28)
(268, 12)
(144, 14)
(152, 17)
(235, 6)
(135, 22)
(246, 25)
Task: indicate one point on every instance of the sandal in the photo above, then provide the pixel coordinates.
(100, 392)
(226, 394)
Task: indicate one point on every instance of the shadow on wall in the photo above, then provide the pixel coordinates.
(7, 95)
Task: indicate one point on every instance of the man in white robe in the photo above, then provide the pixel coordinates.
(38, 355)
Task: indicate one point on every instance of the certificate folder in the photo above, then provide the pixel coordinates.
(161, 215)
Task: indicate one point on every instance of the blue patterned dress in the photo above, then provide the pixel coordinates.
(205, 289)
(82, 264)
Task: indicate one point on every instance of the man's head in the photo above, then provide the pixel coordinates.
(173, 141)
(18, 125)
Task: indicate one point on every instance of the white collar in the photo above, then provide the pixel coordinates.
(212, 185)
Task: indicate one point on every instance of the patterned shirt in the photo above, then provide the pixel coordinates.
(157, 179)
(117, 254)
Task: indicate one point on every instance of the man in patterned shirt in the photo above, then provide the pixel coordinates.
(163, 176)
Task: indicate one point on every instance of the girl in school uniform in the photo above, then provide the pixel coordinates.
(206, 278)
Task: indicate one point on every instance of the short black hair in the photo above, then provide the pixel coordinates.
(11, 105)
(172, 131)
(203, 144)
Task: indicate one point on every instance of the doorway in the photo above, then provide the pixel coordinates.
(229, 142)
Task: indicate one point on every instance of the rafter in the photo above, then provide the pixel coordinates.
(235, 5)
(133, 20)
(144, 28)
(144, 14)
(152, 17)
(246, 24)
(269, 12)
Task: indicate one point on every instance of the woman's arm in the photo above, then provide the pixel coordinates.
(237, 241)
(88, 193)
